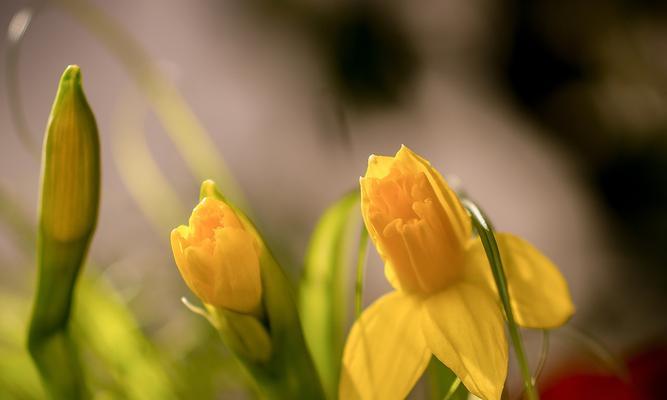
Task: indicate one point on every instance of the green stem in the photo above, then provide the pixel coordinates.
(544, 353)
(49, 341)
(452, 389)
(493, 254)
(359, 286)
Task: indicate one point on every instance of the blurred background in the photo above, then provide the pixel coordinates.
(552, 115)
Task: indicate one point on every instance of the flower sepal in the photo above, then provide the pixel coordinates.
(244, 334)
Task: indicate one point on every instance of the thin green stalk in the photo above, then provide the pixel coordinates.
(19, 227)
(151, 190)
(493, 254)
(452, 389)
(361, 262)
(544, 353)
(598, 350)
(187, 132)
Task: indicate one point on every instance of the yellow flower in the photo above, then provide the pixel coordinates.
(218, 258)
(445, 301)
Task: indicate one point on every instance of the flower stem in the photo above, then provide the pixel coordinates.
(488, 239)
(359, 286)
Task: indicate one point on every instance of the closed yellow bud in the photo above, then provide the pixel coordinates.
(416, 221)
(218, 258)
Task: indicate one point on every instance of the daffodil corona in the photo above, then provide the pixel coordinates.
(218, 258)
(445, 302)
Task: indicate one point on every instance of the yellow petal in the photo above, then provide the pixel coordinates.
(195, 276)
(463, 327)
(385, 353)
(379, 166)
(199, 274)
(539, 294)
(390, 274)
(238, 281)
(178, 244)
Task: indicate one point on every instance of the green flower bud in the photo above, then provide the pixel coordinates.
(67, 217)
(71, 164)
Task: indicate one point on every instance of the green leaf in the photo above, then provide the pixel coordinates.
(18, 376)
(443, 383)
(324, 288)
(103, 325)
(484, 229)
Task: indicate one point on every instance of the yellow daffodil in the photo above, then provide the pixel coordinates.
(445, 301)
(218, 258)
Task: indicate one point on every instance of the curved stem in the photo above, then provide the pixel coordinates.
(184, 128)
(493, 254)
(544, 353)
(16, 30)
(452, 389)
(598, 350)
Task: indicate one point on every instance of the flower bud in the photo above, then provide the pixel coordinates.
(67, 217)
(218, 258)
(71, 164)
(247, 297)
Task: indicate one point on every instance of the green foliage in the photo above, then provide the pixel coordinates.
(103, 326)
(19, 378)
(324, 293)
(443, 383)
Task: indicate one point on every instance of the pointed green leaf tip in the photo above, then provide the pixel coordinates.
(71, 164)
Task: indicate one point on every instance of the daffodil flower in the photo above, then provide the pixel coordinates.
(445, 301)
(246, 295)
(218, 258)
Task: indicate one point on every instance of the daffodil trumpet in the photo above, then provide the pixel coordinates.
(223, 259)
(445, 300)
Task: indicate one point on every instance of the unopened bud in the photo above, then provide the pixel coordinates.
(71, 164)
